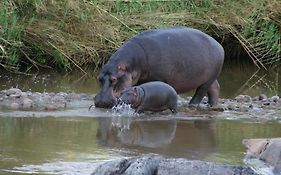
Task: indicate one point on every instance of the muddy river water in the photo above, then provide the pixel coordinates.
(75, 141)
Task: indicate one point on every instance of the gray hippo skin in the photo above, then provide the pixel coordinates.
(184, 58)
(152, 96)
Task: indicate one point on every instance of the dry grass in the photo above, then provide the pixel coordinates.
(73, 33)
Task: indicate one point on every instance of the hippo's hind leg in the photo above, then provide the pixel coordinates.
(213, 93)
(200, 92)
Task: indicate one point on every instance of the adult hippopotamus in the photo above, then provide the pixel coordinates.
(152, 96)
(184, 58)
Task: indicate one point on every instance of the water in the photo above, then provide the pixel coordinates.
(234, 80)
(76, 140)
(63, 144)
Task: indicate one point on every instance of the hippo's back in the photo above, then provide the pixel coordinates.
(158, 90)
(180, 55)
(176, 42)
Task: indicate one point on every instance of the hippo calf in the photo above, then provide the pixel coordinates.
(184, 58)
(152, 96)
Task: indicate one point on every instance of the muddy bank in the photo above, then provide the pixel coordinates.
(243, 106)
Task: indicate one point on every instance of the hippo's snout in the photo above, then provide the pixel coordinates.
(102, 102)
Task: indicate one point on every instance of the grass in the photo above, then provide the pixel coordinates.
(72, 34)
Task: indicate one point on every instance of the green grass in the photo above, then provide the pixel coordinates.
(71, 34)
(10, 37)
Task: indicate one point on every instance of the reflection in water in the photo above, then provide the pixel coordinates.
(235, 80)
(190, 139)
(61, 144)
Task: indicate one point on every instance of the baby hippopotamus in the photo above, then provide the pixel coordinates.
(152, 96)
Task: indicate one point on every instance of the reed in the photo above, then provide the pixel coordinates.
(71, 34)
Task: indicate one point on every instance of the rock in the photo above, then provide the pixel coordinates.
(243, 98)
(231, 106)
(262, 97)
(135, 166)
(23, 95)
(14, 106)
(27, 103)
(158, 165)
(13, 91)
(254, 146)
(243, 108)
(219, 107)
(275, 98)
(267, 150)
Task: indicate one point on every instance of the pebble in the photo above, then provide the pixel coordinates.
(243, 98)
(13, 91)
(14, 106)
(262, 97)
(27, 103)
(275, 98)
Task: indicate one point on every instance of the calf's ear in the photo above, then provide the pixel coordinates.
(113, 79)
(135, 91)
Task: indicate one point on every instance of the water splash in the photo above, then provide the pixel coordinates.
(123, 109)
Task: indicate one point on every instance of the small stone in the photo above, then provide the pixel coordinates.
(243, 98)
(13, 91)
(231, 106)
(219, 107)
(239, 98)
(247, 99)
(262, 97)
(23, 95)
(50, 107)
(27, 103)
(14, 106)
(256, 98)
(243, 108)
(275, 98)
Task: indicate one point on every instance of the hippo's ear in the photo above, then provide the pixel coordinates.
(121, 67)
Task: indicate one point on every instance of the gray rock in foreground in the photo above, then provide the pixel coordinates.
(267, 150)
(158, 165)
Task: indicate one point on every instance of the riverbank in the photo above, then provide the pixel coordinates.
(36, 34)
(243, 106)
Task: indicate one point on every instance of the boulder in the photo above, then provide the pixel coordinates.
(267, 150)
(158, 165)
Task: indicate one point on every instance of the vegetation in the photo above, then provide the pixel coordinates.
(71, 34)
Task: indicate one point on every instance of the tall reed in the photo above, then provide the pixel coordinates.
(70, 34)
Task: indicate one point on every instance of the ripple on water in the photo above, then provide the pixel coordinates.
(84, 164)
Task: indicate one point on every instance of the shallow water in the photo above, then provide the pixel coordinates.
(234, 80)
(76, 140)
